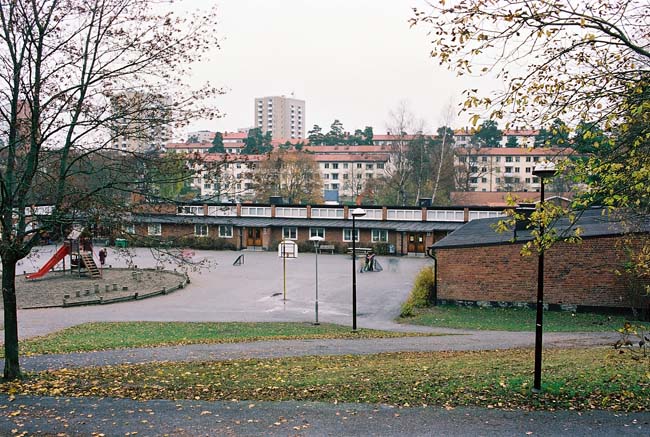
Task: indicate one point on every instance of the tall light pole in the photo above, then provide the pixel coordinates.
(357, 212)
(316, 239)
(542, 171)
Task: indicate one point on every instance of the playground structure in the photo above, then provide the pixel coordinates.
(80, 251)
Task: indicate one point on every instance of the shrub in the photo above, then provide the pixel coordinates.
(421, 293)
(380, 248)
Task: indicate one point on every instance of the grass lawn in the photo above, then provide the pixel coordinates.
(580, 379)
(119, 335)
(512, 319)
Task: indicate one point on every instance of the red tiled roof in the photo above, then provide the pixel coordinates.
(281, 141)
(229, 157)
(516, 151)
(235, 135)
(347, 149)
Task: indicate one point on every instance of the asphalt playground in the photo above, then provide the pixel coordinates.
(251, 292)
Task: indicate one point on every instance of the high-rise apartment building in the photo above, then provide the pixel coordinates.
(283, 116)
(142, 122)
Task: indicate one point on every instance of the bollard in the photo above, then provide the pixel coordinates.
(78, 293)
(96, 288)
(107, 288)
(114, 287)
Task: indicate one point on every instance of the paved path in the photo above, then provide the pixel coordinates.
(120, 417)
(293, 348)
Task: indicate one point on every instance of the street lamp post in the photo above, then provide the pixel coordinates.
(317, 240)
(357, 212)
(542, 171)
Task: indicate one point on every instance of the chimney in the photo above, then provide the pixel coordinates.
(525, 209)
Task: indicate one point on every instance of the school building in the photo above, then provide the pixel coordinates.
(402, 230)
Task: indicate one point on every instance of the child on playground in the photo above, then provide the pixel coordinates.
(369, 265)
(102, 256)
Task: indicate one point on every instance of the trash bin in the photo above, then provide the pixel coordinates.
(120, 242)
(391, 249)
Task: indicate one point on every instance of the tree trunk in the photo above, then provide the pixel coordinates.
(12, 365)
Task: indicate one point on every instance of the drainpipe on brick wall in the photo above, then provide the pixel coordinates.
(434, 297)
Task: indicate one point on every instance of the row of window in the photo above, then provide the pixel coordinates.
(507, 180)
(335, 165)
(376, 235)
(507, 158)
(335, 176)
(288, 232)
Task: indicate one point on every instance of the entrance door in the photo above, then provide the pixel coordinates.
(254, 237)
(416, 243)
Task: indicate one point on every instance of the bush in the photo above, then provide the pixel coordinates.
(202, 243)
(381, 248)
(421, 293)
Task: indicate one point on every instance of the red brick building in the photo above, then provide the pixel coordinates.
(477, 265)
(409, 230)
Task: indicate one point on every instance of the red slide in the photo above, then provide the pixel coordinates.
(58, 256)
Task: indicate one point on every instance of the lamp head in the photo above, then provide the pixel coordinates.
(545, 170)
(358, 212)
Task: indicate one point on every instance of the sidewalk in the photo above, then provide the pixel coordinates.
(455, 341)
(120, 417)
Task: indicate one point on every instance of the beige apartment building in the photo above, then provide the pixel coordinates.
(150, 130)
(502, 169)
(283, 116)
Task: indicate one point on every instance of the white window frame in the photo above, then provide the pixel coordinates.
(317, 232)
(379, 235)
(154, 229)
(225, 231)
(347, 235)
(290, 232)
(199, 228)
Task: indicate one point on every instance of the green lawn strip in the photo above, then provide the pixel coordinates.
(580, 379)
(512, 319)
(120, 335)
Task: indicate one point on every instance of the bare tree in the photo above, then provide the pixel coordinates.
(292, 175)
(401, 125)
(446, 139)
(78, 79)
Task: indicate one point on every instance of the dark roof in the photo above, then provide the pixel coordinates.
(406, 226)
(595, 222)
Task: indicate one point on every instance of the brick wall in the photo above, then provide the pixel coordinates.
(574, 274)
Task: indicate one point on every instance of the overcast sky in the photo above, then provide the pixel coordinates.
(354, 60)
